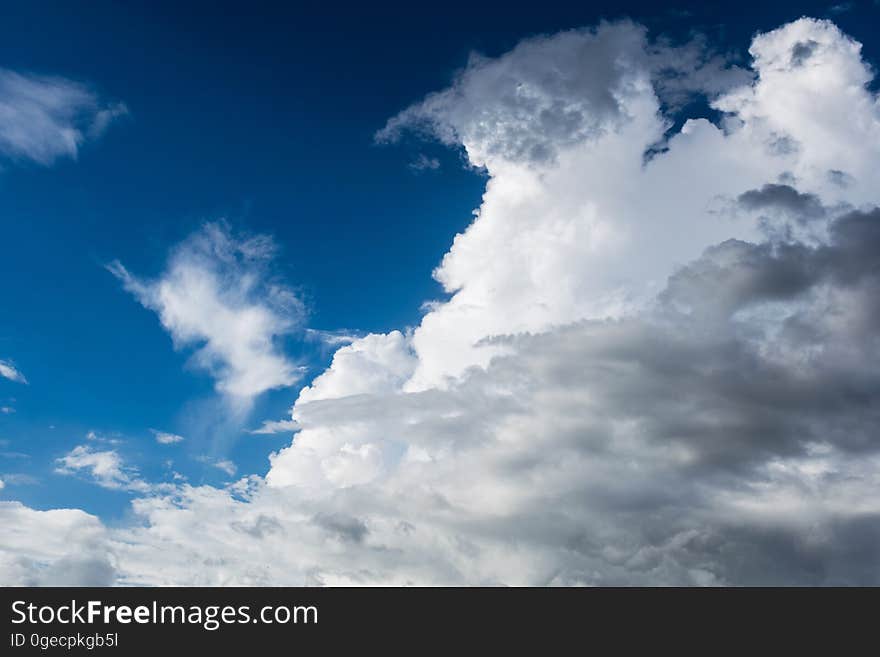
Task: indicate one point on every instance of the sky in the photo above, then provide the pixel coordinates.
(578, 293)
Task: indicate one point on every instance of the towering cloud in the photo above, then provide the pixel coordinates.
(658, 363)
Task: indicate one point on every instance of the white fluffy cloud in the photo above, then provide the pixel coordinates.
(372, 364)
(9, 371)
(44, 118)
(658, 363)
(596, 234)
(61, 547)
(104, 467)
(216, 294)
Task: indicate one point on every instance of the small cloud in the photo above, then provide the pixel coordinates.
(7, 410)
(842, 8)
(17, 479)
(330, 338)
(277, 426)
(424, 163)
(225, 465)
(783, 198)
(105, 468)
(165, 438)
(104, 117)
(9, 371)
(99, 438)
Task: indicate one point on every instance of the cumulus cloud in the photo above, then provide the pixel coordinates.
(374, 363)
(218, 296)
(9, 371)
(550, 93)
(650, 370)
(45, 118)
(733, 445)
(61, 547)
(594, 233)
(104, 467)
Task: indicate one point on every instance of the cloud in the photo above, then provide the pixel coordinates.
(595, 232)
(842, 8)
(9, 371)
(105, 468)
(784, 198)
(424, 163)
(277, 426)
(45, 118)
(675, 447)
(330, 338)
(61, 547)
(217, 295)
(373, 363)
(551, 93)
(224, 465)
(164, 438)
(94, 436)
(19, 479)
(636, 379)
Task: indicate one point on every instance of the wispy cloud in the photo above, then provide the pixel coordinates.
(225, 465)
(277, 426)
(19, 479)
(424, 163)
(43, 118)
(9, 371)
(94, 436)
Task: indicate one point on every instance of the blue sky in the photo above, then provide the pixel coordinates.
(264, 116)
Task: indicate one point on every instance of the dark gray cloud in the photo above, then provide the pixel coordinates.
(783, 198)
